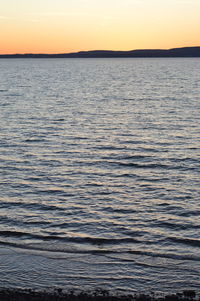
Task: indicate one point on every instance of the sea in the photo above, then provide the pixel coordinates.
(100, 174)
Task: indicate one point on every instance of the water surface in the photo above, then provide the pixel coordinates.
(99, 167)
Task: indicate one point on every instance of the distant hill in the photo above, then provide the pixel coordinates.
(174, 52)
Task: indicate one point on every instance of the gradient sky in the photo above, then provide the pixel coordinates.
(58, 26)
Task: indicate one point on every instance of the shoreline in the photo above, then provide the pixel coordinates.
(98, 295)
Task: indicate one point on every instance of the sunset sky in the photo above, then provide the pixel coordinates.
(59, 26)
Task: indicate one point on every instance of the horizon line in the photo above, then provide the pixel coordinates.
(99, 50)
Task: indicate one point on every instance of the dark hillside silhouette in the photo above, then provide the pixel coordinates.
(174, 52)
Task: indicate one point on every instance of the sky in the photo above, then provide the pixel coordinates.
(61, 26)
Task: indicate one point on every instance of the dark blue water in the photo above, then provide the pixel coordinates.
(99, 173)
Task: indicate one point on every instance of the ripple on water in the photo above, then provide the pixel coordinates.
(100, 175)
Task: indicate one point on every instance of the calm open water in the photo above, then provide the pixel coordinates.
(99, 173)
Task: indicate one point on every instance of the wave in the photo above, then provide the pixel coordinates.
(190, 213)
(147, 165)
(186, 241)
(174, 225)
(32, 206)
(35, 140)
(120, 210)
(108, 161)
(91, 240)
(65, 250)
(128, 157)
(55, 250)
(166, 255)
(138, 165)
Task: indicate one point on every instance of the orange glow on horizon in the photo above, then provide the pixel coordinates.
(92, 25)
